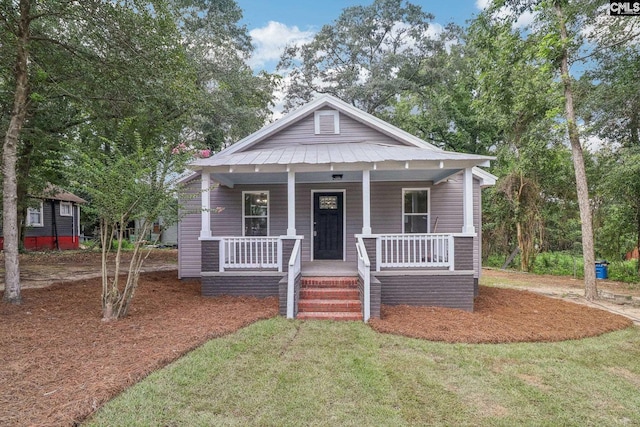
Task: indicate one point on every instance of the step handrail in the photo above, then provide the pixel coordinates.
(364, 271)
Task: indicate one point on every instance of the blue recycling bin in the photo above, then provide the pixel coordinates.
(602, 270)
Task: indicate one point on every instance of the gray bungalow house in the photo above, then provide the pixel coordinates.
(336, 212)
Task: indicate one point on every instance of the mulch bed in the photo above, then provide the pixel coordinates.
(500, 316)
(61, 362)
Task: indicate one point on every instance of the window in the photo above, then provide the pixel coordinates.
(255, 217)
(415, 210)
(35, 216)
(327, 122)
(65, 209)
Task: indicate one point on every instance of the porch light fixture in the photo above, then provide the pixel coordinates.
(337, 177)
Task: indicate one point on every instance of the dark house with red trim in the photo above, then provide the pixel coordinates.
(53, 223)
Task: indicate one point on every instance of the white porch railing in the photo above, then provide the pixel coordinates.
(364, 271)
(250, 252)
(414, 250)
(292, 273)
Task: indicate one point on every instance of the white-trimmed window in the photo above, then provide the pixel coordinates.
(255, 213)
(66, 209)
(35, 216)
(415, 210)
(327, 122)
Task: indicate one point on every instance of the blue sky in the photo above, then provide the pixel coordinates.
(273, 24)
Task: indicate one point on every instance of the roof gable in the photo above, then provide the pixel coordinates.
(305, 115)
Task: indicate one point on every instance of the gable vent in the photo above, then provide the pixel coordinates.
(327, 122)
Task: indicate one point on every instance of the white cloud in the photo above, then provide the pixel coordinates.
(525, 20)
(269, 42)
(483, 4)
(434, 30)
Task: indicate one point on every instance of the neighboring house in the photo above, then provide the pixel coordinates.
(53, 222)
(329, 190)
(160, 233)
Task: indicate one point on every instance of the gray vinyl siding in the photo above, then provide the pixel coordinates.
(353, 211)
(189, 230)
(303, 132)
(386, 214)
(445, 204)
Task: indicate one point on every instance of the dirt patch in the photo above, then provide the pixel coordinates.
(41, 269)
(500, 316)
(61, 362)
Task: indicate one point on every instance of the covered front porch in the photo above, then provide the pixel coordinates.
(418, 269)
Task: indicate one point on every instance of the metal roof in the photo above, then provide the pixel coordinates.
(337, 153)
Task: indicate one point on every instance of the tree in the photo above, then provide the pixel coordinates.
(557, 31)
(611, 107)
(366, 57)
(127, 179)
(440, 105)
(83, 67)
(95, 42)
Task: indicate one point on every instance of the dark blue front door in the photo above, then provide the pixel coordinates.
(328, 225)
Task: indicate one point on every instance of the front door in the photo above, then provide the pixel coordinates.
(328, 217)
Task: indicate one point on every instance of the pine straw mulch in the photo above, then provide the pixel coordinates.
(500, 316)
(61, 362)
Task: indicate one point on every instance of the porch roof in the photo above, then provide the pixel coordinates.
(340, 153)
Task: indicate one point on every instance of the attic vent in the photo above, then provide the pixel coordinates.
(327, 122)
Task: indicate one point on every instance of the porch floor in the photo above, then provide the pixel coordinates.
(329, 268)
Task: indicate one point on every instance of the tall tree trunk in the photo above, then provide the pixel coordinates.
(590, 287)
(12, 292)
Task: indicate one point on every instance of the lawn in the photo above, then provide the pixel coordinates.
(279, 372)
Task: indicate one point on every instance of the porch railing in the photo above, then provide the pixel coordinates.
(414, 250)
(364, 271)
(292, 273)
(250, 252)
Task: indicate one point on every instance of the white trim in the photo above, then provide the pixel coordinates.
(336, 121)
(428, 190)
(366, 202)
(291, 203)
(41, 212)
(467, 202)
(205, 205)
(344, 220)
(244, 216)
(70, 205)
(486, 179)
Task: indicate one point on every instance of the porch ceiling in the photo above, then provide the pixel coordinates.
(434, 175)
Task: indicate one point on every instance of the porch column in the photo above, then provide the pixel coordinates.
(366, 202)
(291, 203)
(205, 227)
(467, 202)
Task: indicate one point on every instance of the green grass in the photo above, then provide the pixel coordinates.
(290, 373)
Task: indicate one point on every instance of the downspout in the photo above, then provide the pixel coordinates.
(54, 223)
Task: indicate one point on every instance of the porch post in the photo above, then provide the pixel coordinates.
(467, 202)
(366, 202)
(205, 227)
(291, 203)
